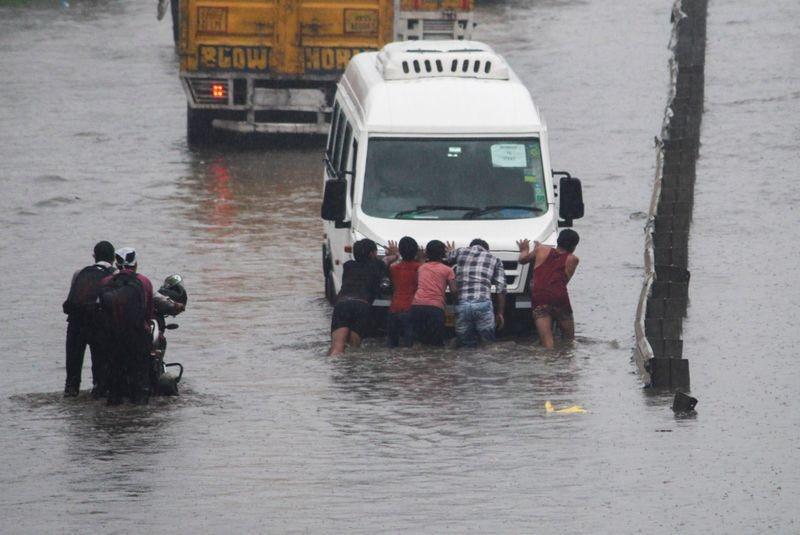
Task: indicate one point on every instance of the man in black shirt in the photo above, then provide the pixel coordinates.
(83, 326)
(361, 281)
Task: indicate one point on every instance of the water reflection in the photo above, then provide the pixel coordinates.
(268, 186)
(452, 390)
(122, 447)
(220, 206)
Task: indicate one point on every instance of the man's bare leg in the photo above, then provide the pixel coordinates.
(544, 326)
(338, 341)
(567, 329)
(355, 339)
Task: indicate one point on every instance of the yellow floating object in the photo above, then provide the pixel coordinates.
(569, 410)
(573, 409)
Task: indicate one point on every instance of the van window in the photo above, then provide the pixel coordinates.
(332, 131)
(339, 143)
(353, 168)
(348, 139)
(430, 178)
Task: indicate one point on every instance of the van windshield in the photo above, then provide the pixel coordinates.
(450, 178)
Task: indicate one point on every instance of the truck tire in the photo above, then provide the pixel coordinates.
(199, 130)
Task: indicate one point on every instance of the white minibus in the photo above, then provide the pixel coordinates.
(439, 140)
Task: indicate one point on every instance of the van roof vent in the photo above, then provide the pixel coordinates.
(406, 60)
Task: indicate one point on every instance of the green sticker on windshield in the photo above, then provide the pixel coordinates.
(538, 192)
(530, 178)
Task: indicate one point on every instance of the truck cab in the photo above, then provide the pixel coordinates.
(439, 140)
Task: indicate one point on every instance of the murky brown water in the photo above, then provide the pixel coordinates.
(270, 435)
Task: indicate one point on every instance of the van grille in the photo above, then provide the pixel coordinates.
(511, 269)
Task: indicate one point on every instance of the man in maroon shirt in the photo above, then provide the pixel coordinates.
(127, 300)
(553, 267)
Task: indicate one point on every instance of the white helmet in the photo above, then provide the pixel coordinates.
(126, 257)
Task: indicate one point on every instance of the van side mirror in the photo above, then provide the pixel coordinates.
(570, 194)
(334, 201)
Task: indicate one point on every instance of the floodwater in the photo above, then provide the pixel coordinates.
(270, 435)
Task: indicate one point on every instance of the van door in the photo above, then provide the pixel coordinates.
(340, 158)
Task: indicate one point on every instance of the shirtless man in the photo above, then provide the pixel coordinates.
(553, 267)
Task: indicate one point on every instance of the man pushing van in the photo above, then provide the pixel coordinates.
(477, 270)
(553, 267)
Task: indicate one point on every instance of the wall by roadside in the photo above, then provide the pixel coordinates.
(664, 297)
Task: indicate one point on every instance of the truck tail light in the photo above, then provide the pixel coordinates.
(209, 90)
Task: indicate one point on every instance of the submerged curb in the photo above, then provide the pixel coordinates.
(664, 298)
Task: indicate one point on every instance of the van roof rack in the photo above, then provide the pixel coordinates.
(408, 60)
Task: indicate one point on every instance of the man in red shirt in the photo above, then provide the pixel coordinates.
(404, 284)
(553, 267)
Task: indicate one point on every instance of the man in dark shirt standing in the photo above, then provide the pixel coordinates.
(476, 271)
(82, 322)
(361, 281)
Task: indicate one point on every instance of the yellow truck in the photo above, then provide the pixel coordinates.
(272, 65)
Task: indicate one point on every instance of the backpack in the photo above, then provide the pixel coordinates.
(82, 298)
(122, 303)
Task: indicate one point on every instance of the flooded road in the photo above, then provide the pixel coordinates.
(269, 434)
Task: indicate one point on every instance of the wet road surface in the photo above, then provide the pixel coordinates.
(270, 435)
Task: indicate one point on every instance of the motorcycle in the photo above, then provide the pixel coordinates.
(161, 382)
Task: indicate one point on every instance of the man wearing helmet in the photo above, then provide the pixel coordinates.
(128, 301)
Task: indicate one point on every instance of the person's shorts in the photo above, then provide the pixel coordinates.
(555, 312)
(353, 314)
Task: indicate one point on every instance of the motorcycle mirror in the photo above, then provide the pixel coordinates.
(171, 326)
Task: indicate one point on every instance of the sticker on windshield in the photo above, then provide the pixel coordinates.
(454, 152)
(538, 191)
(509, 155)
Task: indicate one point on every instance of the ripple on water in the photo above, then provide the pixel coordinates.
(50, 179)
(57, 201)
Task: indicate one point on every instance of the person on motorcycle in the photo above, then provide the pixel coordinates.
(82, 322)
(128, 300)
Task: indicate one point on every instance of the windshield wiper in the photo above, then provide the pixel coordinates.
(432, 208)
(495, 208)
